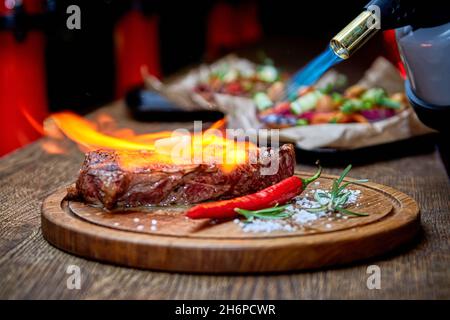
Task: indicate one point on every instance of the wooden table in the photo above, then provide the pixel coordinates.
(31, 268)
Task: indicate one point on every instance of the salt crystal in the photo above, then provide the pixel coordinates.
(153, 228)
(259, 225)
(317, 183)
(289, 228)
(302, 216)
(154, 222)
(140, 227)
(116, 224)
(136, 219)
(328, 226)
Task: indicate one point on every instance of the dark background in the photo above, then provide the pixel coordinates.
(81, 63)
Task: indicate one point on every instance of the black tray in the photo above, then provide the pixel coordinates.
(381, 152)
(145, 105)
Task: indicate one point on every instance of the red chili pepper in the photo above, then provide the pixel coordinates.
(279, 193)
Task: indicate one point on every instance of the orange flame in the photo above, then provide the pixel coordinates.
(85, 134)
(163, 147)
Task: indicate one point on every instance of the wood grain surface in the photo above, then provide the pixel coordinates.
(31, 268)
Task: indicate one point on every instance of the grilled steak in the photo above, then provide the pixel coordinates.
(117, 179)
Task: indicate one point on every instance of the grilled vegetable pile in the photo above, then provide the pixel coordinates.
(327, 105)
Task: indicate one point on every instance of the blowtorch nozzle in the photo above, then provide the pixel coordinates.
(354, 35)
(385, 15)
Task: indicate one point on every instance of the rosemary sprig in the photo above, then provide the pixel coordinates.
(338, 197)
(275, 212)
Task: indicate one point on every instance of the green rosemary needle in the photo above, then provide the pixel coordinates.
(337, 198)
(276, 212)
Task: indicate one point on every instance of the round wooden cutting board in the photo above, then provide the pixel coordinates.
(163, 239)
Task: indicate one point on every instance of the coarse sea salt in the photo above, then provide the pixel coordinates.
(302, 216)
(259, 225)
(354, 195)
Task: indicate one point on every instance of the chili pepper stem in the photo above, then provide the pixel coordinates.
(314, 177)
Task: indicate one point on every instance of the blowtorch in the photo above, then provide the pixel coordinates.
(423, 38)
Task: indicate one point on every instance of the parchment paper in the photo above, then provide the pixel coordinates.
(241, 111)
